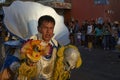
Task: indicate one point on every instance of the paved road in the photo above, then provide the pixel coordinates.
(98, 64)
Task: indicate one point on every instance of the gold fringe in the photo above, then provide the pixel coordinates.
(26, 71)
(59, 72)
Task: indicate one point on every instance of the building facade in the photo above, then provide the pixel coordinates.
(93, 10)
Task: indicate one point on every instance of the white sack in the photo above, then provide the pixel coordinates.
(21, 20)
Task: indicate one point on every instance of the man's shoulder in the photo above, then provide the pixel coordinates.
(34, 37)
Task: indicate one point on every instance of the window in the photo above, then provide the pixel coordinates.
(2, 1)
(101, 2)
(60, 0)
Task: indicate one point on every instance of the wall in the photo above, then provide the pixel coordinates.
(87, 10)
(115, 7)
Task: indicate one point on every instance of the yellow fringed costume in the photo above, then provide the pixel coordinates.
(60, 73)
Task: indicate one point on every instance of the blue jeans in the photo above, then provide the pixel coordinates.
(106, 41)
(113, 42)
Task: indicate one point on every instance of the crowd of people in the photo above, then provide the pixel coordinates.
(94, 35)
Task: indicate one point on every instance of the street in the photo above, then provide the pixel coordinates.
(98, 64)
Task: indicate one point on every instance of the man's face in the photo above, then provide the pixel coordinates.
(46, 29)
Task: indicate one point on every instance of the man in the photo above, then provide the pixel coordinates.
(45, 33)
(49, 67)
